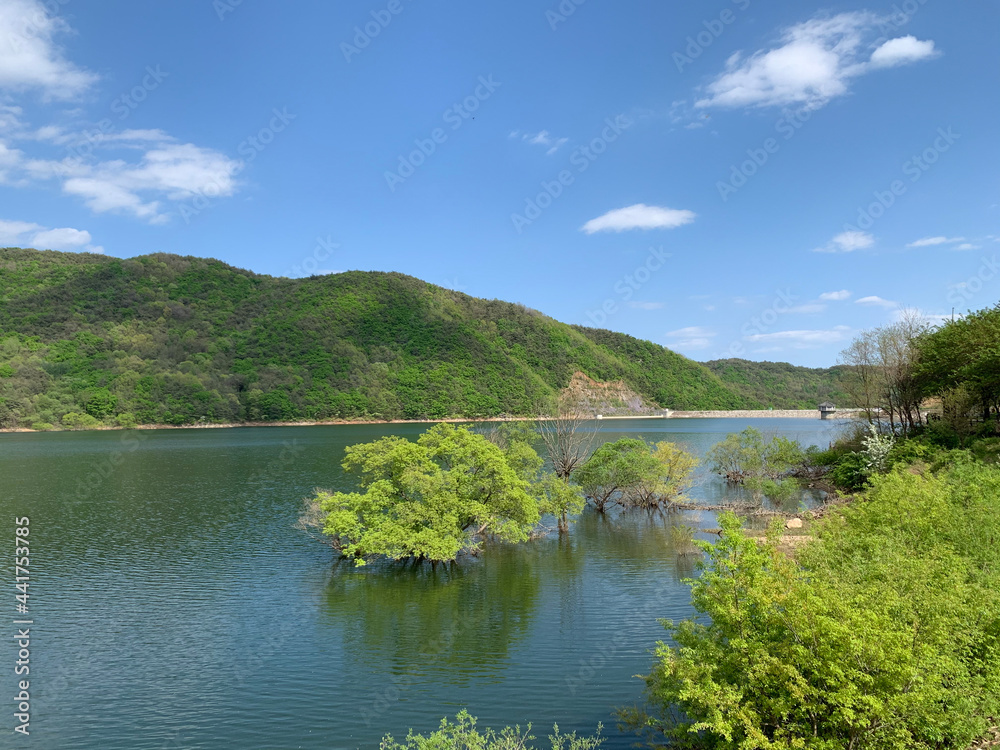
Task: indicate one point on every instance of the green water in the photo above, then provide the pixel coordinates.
(175, 604)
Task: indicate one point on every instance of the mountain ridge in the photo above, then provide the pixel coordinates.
(168, 339)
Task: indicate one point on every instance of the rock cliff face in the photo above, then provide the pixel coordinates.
(610, 399)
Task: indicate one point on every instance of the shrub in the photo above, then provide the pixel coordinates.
(76, 421)
(851, 472)
(463, 735)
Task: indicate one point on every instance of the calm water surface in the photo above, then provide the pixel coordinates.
(176, 606)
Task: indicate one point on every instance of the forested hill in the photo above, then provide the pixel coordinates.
(782, 385)
(164, 339)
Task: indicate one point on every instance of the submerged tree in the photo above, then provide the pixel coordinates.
(567, 437)
(555, 495)
(630, 474)
(748, 455)
(432, 499)
(438, 497)
(760, 465)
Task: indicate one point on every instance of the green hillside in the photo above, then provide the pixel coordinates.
(782, 385)
(164, 339)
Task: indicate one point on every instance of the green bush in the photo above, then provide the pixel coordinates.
(463, 735)
(987, 450)
(942, 434)
(851, 473)
(76, 421)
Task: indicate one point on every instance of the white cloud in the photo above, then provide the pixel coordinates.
(967, 246)
(30, 59)
(61, 239)
(836, 296)
(646, 305)
(541, 138)
(166, 171)
(847, 242)
(811, 307)
(12, 232)
(802, 339)
(875, 301)
(930, 241)
(28, 234)
(137, 172)
(902, 50)
(814, 63)
(639, 216)
(692, 337)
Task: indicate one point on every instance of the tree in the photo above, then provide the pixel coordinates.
(628, 473)
(674, 466)
(960, 363)
(432, 499)
(567, 437)
(748, 456)
(554, 494)
(884, 364)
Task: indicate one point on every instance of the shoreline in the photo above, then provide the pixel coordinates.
(735, 414)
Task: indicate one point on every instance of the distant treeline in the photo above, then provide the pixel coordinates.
(782, 385)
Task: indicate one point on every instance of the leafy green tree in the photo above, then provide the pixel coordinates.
(674, 467)
(463, 735)
(100, 403)
(432, 499)
(628, 473)
(747, 455)
(963, 354)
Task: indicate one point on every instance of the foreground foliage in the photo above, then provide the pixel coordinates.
(88, 340)
(463, 735)
(885, 634)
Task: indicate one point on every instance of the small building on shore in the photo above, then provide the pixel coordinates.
(827, 410)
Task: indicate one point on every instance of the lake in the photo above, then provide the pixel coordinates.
(175, 604)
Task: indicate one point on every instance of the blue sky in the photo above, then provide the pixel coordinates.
(729, 178)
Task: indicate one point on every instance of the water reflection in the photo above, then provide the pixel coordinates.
(455, 621)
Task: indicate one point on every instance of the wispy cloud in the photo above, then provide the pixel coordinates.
(814, 63)
(931, 241)
(801, 339)
(692, 337)
(639, 216)
(636, 305)
(875, 301)
(847, 242)
(542, 138)
(29, 234)
(31, 59)
(108, 180)
(836, 296)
